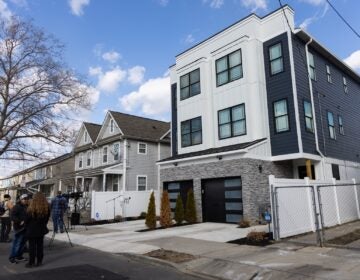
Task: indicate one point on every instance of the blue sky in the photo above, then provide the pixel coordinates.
(124, 47)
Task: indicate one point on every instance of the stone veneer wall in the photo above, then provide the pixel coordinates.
(255, 185)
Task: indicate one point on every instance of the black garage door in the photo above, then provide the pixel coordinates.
(176, 188)
(222, 200)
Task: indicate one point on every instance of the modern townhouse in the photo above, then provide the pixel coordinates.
(120, 154)
(47, 177)
(258, 98)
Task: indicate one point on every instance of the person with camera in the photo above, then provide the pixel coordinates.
(37, 217)
(5, 219)
(58, 208)
(17, 216)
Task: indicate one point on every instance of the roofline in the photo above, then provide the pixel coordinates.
(322, 49)
(235, 23)
(146, 118)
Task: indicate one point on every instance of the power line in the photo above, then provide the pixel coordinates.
(343, 19)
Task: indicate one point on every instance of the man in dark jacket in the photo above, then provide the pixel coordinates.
(58, 208)
(18, 215)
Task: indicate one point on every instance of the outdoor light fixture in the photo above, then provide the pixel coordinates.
(260, 168)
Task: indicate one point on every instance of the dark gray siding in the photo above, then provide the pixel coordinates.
(303, 92)
(331, 97)
(173, 120)
(278, 87)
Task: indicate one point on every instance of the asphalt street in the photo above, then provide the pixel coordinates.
(62, 262)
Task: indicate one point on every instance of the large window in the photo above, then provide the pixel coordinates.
(312, 67)
(116, 151)
(232, 121)
(112, 126)
(85, 137)
(328, 74)
(88, 158)
(341, 125)
(191, 132)
(345, 85)
(190, 84)
(276, 59)
(105, 154)
(141, 182)
(309, 122)
(81, 160)
(142, 148)
(229, 68)
(281, 116)
(331, 125)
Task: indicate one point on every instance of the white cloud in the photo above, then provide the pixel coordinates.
(110, 80)
(255, 5)
(5, 13)
(20, 3)
(111, 56)
(314, 2)
(152, 98)
(305, 24)
(95, 71)
(189, 39)
(136, 75)
(163, 3)
(77, 6)
(215, 4)
(354, 60)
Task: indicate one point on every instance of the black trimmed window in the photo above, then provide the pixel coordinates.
(331, 125)
(345, 85)
(190, 84)
(232, 121)
(312, 70)
(276, 59)
(191, 132)
(341, 125)
(281, 116)
(229, 68)
(328, 74)
(309, 120)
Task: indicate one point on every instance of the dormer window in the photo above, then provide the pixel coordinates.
(112, 124)
(86, 137)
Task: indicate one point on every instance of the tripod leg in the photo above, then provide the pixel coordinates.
(52, 239)
(67, 233)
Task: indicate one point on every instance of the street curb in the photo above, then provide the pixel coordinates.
(157, 261)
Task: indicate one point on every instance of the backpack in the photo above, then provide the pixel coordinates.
(2, 209)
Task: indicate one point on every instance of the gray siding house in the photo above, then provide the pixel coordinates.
(120, 154)
(258, 98)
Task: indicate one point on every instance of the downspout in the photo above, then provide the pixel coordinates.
(124, 164)
(313, 107)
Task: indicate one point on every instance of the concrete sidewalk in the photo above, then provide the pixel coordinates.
(223, 260)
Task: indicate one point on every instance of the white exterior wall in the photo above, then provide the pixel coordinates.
(248, 36)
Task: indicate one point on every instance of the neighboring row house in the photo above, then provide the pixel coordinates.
(120, 154)
(47, 177)
(258, 98)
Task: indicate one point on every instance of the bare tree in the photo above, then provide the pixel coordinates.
(38, 92)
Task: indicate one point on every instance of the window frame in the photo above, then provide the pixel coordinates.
(137, 182)
(341, 125)
(191, 132)
(118, 154)
(229, 68)
(328, 73)
(312, 67)
(112, 126)
(103, 154)
(80, 163)
(281, 57)
(86, 137)
(345, 85)
(231, 122)
(331, 127)
(308, 117)
(190, 84)
(142, 143)
(287, 114)
(87, 158)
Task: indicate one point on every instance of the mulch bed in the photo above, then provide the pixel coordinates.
(172, 256)
(174, 225)
(346, 238)
(245, 241)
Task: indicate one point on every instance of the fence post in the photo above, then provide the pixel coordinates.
(336, 202)
(316, 214)
(356, 198)
(272, 203)
(308, 190)
(92, 205)
(321, 215)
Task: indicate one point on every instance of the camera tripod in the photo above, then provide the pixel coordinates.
(65, 229)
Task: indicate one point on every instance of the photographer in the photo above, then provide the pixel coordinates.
(58, 208)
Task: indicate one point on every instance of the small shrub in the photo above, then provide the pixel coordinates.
(150, 220)
(256, 236)
(179, 210)
(190, 210)
(244, 223)
(165, 210)
(142, 215)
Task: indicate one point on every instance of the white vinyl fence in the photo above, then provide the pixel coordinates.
(108, 205)
(301, 206)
